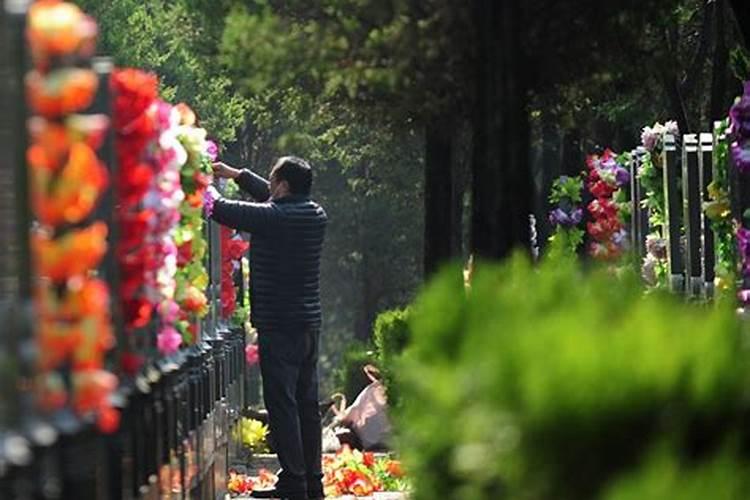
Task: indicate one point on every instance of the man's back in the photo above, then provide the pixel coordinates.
(285, 267)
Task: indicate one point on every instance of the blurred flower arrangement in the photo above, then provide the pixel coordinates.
(253, 435)
(233, 248)
(66, 181)
(609, 211)
(352, 472)
(718, 211)
(739, 116)
(195, 177)
(567, 213)
(242, 484)
(650, 175)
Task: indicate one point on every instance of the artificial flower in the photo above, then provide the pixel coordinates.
(62, 91)
(56, 29)
(252, 354)
(168, 340)
(73, 254)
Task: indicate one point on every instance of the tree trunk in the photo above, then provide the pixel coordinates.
(718, 106)
(502, 185)
(676, 102)
(438, 195)
(742, 14)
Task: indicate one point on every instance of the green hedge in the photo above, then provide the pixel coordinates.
(391, 335)
(545, 383)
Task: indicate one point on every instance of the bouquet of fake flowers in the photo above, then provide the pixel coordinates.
(352, 472)
(739, 116)
(606, 177)
(567, 213)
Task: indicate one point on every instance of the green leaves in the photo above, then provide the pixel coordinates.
(562, 385)
(176, 39)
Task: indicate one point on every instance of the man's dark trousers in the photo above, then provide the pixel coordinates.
(289, 368)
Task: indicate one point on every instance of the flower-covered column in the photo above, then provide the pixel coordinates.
(67, 180)
(609, 210)
(650, 175)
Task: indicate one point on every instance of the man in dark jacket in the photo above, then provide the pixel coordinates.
(287, 230)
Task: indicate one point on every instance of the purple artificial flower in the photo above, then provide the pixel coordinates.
(622, 176)
(744, 297)
(741, 154)
(672, 128)
(210, 195)
(576, 216)
(657, 247)
(649, 137)
(212, 150)
(739, 117)
(558, 217)
(620, 238)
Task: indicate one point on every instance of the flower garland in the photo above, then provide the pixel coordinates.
(135, 93)
(606, 177)
(650, 175)
(74, 331)
(150, 156)
(739, 116)
(195, 177)
(566, 214)
(719, 212)
(233, 247)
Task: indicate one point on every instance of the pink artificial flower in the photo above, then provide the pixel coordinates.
(212, 150)
(169, 311)
(252, 355)
(168, 341)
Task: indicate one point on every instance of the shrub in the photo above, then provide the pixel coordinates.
(544, 383)
(391, 335)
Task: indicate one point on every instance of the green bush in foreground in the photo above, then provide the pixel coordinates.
(545, 383)
(391, 335)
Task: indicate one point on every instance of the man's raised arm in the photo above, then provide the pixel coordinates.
(241, 215)
(253, 184)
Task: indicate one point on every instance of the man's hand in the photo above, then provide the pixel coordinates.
(223, 170)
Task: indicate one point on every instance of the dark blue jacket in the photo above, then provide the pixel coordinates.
(285, 248)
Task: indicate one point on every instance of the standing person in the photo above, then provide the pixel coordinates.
(287, 230)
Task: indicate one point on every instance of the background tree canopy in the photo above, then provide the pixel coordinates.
(419, 115)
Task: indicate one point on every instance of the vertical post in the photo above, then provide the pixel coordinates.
(639, 219)
(691, 215)
(673, 214)
(708, 250)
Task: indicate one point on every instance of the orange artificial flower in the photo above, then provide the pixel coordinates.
(50, 391)
(83, 297)
(394, 468)
(73, 254)
(50, 144)
(187, 116)
(91, 390)
(59, 28)
(71, 195)
(61, 92)
(56, 341)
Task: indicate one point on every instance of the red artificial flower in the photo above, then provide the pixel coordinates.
(134, 92)
(137, 312)
(184, 253)
(131, 363)
(601, 189)
(108, 420)
(603, 208)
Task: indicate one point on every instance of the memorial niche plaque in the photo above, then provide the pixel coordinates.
(9, 120)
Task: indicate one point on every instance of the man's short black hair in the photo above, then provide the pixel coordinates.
(296, 172)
